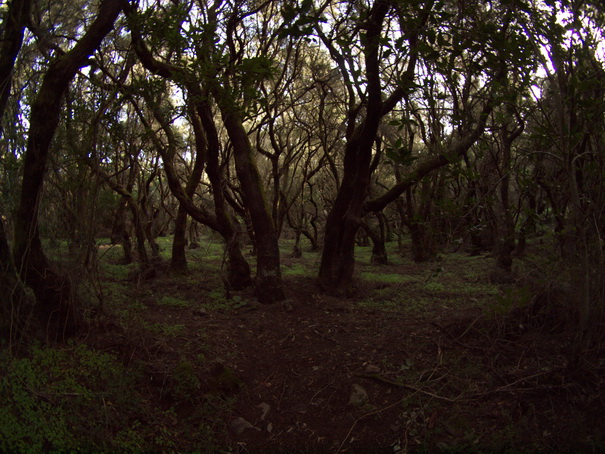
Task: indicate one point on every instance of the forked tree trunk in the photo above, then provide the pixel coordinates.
(344, 219)
(54, 294)
(379, 250)
(269, 285)
(238, 269)
(179, 260)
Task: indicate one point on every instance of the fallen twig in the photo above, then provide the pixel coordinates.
(399, 384)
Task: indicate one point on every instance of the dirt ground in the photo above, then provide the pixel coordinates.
(326, 374)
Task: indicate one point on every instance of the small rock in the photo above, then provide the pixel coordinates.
(239, 425)
(264, 407)
(200, 312)
(372, 369)
(359, 396)
(269, 427)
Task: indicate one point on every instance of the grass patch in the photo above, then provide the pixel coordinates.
(164, 329)
(388, 278)
(171, 301)
(218, 301)
(296, 269)
(116, 272)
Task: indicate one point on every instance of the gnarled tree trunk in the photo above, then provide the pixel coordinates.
(344, 219)
(54, 293)
(269, 285)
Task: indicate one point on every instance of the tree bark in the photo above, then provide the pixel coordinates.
(344, 219)
(13, 315)
(238, 269)
(15, 304)
(14, 21)
(269, 285)
(179, 261)
(505, 224)
(379, 250)
(54, 294)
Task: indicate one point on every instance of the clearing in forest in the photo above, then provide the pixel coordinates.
(422, 357)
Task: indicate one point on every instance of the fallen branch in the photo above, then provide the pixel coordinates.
(399, 384)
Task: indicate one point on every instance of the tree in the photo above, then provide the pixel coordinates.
(476, 75)
(344, 219)
(570, 124)
(226, 82)
(12, 292)
(54, 294)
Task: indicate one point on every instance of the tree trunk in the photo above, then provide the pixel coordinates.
(14, 21)
(119, 233)
(423, 243)
(178, 262)
(379, 250)
(269, 285)
(296, 250)
(238, 269)
(54, 293)
(344, 219)
(15, 304)
(505, 224)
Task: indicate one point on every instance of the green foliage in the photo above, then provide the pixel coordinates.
(299, 19)
(62, 400)
(220, 302)
(186, 383)
(388, 278)
(164, 329)
(511, 298)
(398, 152)
(171, 301)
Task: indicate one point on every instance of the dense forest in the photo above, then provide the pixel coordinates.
(324, 169)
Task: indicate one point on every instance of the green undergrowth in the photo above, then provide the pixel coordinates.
(78, 399)
(297, 269)
(65, 400)
(217, 300)
(454, 280)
